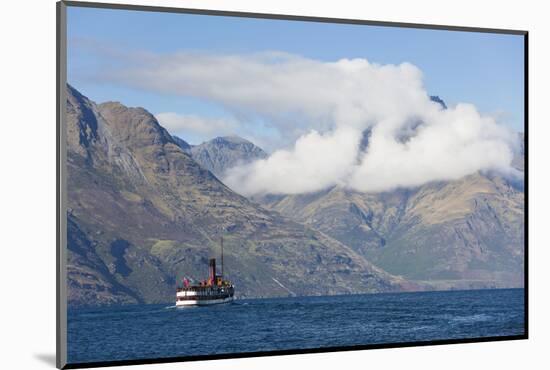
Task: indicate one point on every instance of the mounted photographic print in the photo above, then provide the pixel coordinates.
(236, 184)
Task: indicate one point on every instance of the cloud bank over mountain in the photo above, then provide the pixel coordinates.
(322, 110)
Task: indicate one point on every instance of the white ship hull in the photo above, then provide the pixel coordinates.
(203, 302)
(215, 290)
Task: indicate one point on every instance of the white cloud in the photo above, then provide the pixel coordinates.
(451, 144)
(323, 109)
(316, 161)
(291, 93)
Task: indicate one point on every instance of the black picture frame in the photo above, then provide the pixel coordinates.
(61, 199)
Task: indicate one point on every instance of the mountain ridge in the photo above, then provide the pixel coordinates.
(223, 152)
(442, 233)
(143, 214)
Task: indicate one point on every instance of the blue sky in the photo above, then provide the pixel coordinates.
(479, 68)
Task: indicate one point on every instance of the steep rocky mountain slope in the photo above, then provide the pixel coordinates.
(142, 214)
(184, 145)
(467, 233)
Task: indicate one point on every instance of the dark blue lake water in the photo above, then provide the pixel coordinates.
(155, 331)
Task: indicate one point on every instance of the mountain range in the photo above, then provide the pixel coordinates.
(147, 209)
(143, 214)
(460, 234)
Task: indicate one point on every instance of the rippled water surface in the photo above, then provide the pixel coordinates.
(155, 331)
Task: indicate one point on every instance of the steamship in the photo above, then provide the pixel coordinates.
(214, 290)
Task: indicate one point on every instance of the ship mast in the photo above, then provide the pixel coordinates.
(221, 239)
